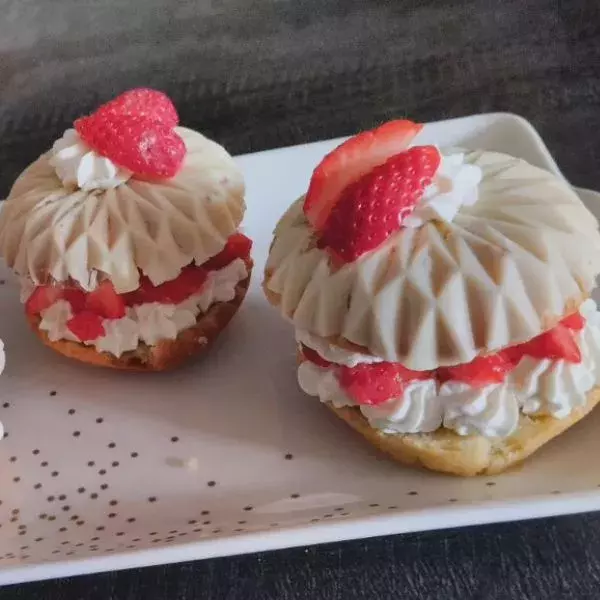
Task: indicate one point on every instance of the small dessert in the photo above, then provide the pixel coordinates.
(441, 299)
(125, 238)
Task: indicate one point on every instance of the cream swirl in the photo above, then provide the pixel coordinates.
(491, 411)
(454, 185)
(78, 166)
(151, 322)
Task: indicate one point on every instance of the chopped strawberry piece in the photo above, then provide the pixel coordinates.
(143, 102)
(189, 282)
(482, 371)
(314, 357)
(377, 383)
(372, 208)
(75, 297)
(557, 344)
(147, 148)
(238, 246)
(105, 302)
(86, 326)
(42, 297)
(350, 161)
(576, 322)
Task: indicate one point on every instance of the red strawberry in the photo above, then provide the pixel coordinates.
(238, 246)
(377, 383)
(145, 147)
(105, 302)
(143, 102)
(557, 344)
(75, 297)
(372, 208)
(576, 322)
(314, 357)
(190, 281)
(42, 297)
(350, 161)
(86, 326)
(480, 372)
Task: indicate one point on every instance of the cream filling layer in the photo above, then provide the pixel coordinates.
(534, 387)
(152, 322)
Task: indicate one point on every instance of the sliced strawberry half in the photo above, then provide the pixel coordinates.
(86, 326)
(146, 147)
(372, 209)
(189, 282)
(238, 246)
(576, 321)
(42, 297)
(105, 302)
(377, 383)
(557, 344)
(143, 102)
(350, 161)
(480, 372)
(314, 357)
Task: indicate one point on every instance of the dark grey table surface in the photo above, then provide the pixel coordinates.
(257, 74)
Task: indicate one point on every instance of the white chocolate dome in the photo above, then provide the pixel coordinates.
(48, 232)
(503, 271)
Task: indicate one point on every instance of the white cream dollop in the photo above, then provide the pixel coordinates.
(454, 185)
(491, 411)
(534, 387)
(151, 322)
(77, 165)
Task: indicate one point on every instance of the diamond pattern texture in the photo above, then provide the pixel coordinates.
(502, 272)
(48, 232)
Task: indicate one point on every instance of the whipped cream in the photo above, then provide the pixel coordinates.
(455, 185)
(534, 387)
(151, 322)
(77, 165)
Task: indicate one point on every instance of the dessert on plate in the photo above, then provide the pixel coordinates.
(441, 299)
(125, 237)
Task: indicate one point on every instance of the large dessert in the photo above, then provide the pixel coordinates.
(441, 299)
(125, 238)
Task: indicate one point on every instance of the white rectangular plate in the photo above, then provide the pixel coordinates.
(104, 470)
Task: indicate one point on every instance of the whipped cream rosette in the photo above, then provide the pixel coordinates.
(125, 237)
(441, 299)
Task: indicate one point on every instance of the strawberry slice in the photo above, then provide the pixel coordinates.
(237, 246)
(377, 383)
(371, 209)
(143, 102)
(189, 282)
(42, 297)
(480, 372)
(147, 148)
(314, 357)
(350, 161)
(86, 326)
(557, 344)
(576, 322)
(75, 297)
(105, 302)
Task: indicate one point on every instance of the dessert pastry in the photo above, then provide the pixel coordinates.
(125, 239)
(441, 299)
